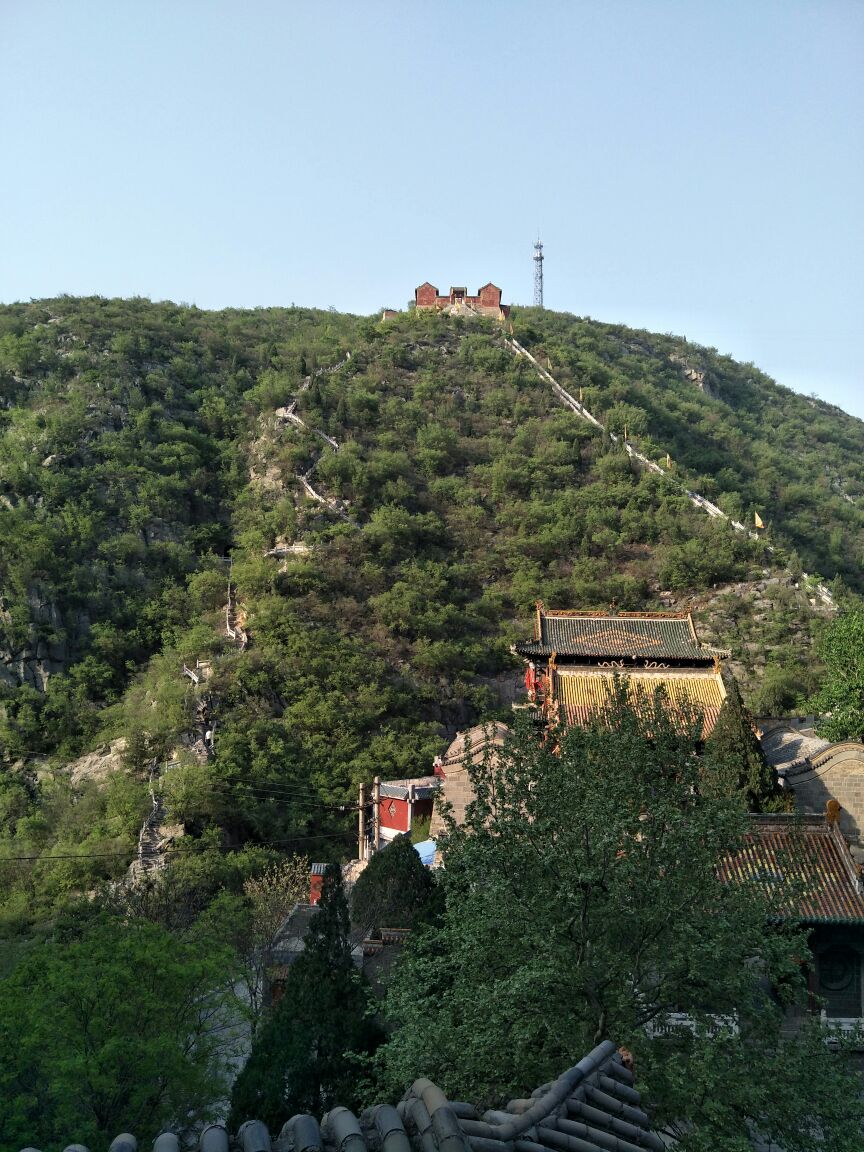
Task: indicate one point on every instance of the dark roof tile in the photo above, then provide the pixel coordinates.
(628, 635)
(597, 1095)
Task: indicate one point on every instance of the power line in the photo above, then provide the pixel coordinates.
(273, 787)
(266, 790)
(178, 851)
(256, 795)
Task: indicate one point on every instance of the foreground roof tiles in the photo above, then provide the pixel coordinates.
(585, 695)
(626, 635)
(805, 865)
(593, 1107)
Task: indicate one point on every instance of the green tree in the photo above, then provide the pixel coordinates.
(840, 700)
(734, 756)
(394, 890)
(250, 923)
(310, 1054)
(582, 900)
(110, 1026)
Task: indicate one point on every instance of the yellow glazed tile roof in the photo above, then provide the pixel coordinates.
(585, 695)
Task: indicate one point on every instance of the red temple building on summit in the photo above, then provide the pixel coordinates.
(487, 301)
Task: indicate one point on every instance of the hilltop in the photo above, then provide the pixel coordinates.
(392, 498)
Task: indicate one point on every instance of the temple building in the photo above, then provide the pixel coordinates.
(574, 657)
(487, 302)
(812, 880)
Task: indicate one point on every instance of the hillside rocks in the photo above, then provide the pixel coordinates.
(47, 646)
(752, 618)
(695, 375)
(98, 765)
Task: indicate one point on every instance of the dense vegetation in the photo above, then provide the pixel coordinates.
(155, 515)
(144, 445)
(582, 900)
(740, 439)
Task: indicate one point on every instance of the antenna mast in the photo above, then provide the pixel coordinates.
(538, 274)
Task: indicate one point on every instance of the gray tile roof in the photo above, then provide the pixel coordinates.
(424, 787)
(626, 635)
(785, 745)
(290, 940)
(593, 1107)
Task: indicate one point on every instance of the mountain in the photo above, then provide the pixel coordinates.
(386, 501)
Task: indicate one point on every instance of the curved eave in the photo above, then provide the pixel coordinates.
(817, 921)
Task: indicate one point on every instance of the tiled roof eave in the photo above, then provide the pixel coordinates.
(656, 635)
(816, 921)
(600, 1087)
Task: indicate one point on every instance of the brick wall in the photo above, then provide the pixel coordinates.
(426, 296)
(835, 774)
(457, 791)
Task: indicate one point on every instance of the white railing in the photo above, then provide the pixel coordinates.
(694, 497)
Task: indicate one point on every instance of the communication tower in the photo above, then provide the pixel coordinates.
(538, 274)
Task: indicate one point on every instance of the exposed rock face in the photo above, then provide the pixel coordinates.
(47, 645)
(695, 375)
(100, 764)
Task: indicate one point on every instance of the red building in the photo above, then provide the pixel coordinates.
(487, 301)
(406, 803)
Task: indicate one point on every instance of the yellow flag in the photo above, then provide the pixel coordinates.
(757, 519)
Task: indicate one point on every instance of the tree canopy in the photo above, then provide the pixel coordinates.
(840, 699)
(311, 1053)
(735, 755)
(394, 890)
(107, 1027)
(582, 900)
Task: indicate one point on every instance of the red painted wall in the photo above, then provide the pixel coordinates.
(400, 821)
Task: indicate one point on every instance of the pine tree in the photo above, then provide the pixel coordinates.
(309, 1055)
(394, 890)
(735, 757)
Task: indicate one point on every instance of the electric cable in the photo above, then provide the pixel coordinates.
(181, 851)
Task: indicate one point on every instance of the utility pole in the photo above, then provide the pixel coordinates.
(361, 821)
(538, 274)
(376, 813)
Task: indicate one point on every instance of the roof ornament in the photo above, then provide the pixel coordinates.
(538, 626)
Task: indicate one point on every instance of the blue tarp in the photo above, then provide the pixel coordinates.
(426, 851)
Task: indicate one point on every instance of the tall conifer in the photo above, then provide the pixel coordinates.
(734, 752)
(309, 1055)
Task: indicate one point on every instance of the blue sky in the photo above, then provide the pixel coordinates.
(693, 167)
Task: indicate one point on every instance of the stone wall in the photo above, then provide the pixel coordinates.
(835, 774)
(468, 748)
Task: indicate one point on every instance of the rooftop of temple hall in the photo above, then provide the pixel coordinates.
(595, 636)
(805, 866)
(584, 694)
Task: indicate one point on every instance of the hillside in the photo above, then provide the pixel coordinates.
(388, 534)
